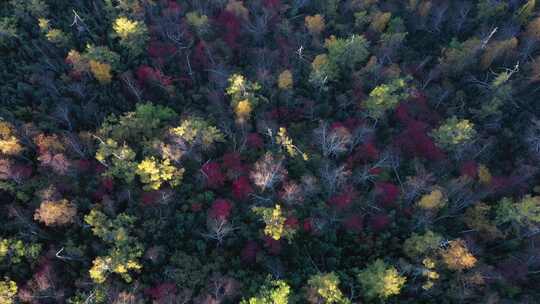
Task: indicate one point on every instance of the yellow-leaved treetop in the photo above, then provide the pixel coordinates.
(285, 80)
(315, 24)
(457, 256)
(9, 144)
(286, 142)
(275, 222)
(433, 201)
(56, 213)
(243, 110)
(101, 71)
(125, 27)
(154, 173)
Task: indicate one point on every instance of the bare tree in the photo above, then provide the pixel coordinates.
(268, 171)
(332, 141)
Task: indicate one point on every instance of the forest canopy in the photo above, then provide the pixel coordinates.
(269, 151)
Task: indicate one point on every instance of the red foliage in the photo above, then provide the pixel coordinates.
(199, 58)
(273, 246)
(84, 165)
(160, 50)
(161, 291)
(150, 198)
(354, 223)
(292, 223)
(367, 152)
(386, 193)
(231, 28)
(342, 201)
(379, 222)
(241, 188)
(415, 141)
(146, 74)
(214, 177)
(254, 141)
(233, 164)
(107, 184)
(469, 168)
(249, 252)
(308, 225)
(221, 209)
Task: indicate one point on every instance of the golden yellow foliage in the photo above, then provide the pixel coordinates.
(285, 80)
(56, 213)
(9, 144)
(315, 24)
(243, 110)
(125, 27)
(102, 71)
(457, 256)
(154, 173)
(432, 201)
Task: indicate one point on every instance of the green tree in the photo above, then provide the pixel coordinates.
(380, 280)
(125, 250)
(418, 245)
(133, 34)
(324, 288)
(525, 212)
(454, 133)
(272, 292)
(385, 97)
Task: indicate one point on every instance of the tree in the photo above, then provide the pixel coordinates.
(271, 292)
(454, 133)
(457, 256)
(380, 280)
(324, 288)
(8, 291)
(333, 140)
(154, 173)
(9, 144)
(196, 132)
(385, 97)
(275, 222)
(525, 212)
(243, 96)
(133, 34)
(315, 24)
(56, 213)
(285, 80)
(419, 245)
(268, 171)
(124, 252)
